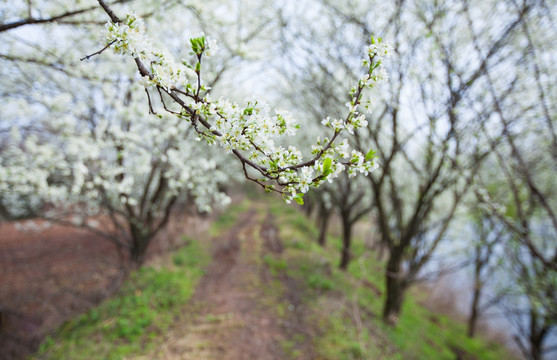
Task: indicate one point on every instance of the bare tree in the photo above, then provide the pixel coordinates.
(350, 200)
(533, 308)
(485, 258)
(524, 157)
(324, 214)
(430, 123)
(35, 14)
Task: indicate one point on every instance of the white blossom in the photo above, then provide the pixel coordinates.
(251, 128)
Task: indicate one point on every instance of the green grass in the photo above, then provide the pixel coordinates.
(228, 219)
(131, 322)
(275, 265)
(346, 306)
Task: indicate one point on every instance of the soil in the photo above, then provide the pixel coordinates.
(52, 275)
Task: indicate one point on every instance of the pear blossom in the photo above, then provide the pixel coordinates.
(251, 131)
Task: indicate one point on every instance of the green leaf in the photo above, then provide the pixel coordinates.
(198, 45)
(327, 163)
(370, 155)
(299, 198)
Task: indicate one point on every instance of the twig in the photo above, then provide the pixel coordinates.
(151, 111)
(87, 57)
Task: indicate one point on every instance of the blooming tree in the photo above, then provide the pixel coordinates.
(77, 145)
(128, 170)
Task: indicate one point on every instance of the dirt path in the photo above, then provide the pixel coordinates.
(231, 317)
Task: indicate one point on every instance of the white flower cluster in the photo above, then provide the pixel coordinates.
(378, 48)
(376, 53)
(212, 47)
(253, 130)
(349, 125)
(129, 38)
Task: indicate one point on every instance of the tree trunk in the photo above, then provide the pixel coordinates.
(346, 240)
(395, 289)
(324, 215)
(538, 332)
(138, 250)
(472, 320)
(474, 311)
(536, 349)
(140, 243)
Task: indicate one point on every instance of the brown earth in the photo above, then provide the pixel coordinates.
(50, 276)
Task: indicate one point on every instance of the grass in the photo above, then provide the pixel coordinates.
(275, 265)
(346, 306)
(228, 219)
(131, 322)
